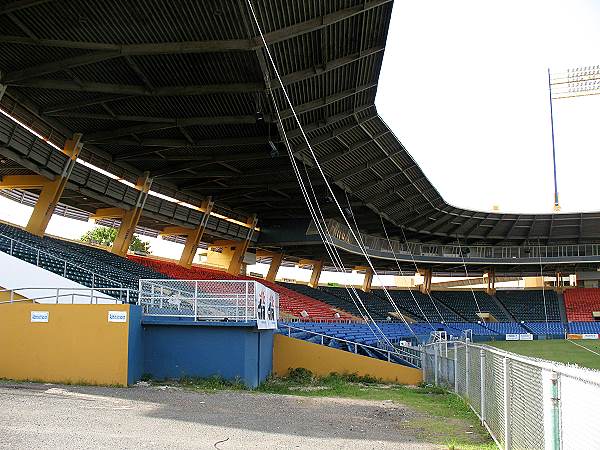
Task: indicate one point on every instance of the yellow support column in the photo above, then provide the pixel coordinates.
(427, 276)
(491, 281)
(130, 219)
(276, 259)
(237, 259)
(194, 236)
(368, 280)
(316, 274)
(52, 190)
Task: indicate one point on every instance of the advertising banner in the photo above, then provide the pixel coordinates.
(267, 307)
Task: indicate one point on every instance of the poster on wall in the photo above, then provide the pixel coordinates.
(267, 307)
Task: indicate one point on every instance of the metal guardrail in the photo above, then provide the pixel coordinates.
(231, 300)
(412, 359)
(62, 295)
(380, 248)
(95, 277)
(523, 402)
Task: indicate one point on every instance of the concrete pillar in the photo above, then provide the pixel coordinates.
(194, 236)
(316, 274)
(130, 219)
(52, 190)
(491, 281)
(368, 280)
(427, 276)
(276, 259)
(237, 259)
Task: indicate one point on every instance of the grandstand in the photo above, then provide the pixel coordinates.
(239, 131)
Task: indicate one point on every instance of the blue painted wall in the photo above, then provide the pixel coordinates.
(135, 357)
(204, 349)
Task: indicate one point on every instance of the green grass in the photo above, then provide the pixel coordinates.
(555, 350)
(440, 417)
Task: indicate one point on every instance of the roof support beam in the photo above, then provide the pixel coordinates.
(20, 4)
(134, 90)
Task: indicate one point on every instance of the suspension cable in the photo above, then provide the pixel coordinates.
(417, 269)
(462, 256)
(309, 146)
(402, 273)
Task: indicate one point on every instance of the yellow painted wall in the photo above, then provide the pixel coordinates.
(290, 353)
(76, 345)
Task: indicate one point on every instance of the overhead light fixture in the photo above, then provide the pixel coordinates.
(259, 116)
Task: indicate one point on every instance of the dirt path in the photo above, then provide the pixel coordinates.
(51, 416)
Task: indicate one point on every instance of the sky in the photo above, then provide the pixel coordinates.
(464, 86)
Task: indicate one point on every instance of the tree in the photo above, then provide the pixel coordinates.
(106, 236)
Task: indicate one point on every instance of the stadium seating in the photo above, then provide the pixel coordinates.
(339, 303)
(506, 327)
(581, 303)
(528, 306)
(584, 327)
(421, 306)
(290, 301)
(552, 328)
(463, 303)
(87, 265)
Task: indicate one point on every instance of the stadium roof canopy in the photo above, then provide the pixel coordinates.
(183, 90)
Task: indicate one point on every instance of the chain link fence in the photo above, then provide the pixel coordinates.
(525, 403)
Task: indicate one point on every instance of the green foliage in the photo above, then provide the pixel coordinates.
(106, 236)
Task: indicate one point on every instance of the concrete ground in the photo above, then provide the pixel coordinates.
(44, 416)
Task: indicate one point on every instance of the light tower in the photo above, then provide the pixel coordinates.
(574, 82)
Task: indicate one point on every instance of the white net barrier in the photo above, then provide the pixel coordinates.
(525, 403)
(232, 300)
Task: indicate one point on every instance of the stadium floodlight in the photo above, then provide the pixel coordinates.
(574, 82)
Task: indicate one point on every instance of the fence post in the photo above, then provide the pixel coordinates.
(467, 370)
(507, 430)
(12, 295)
(435, 363)
(65, 270)
(551, 404)
(456, 368)
(57, 289)
(37, 258)
(482, 383)
(11, 247)
(195, 301)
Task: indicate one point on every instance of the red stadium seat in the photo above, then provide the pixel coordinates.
(581, 303)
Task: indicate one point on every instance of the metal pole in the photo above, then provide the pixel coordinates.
(435, 363)
(482, 383)
(556, 204)
(195, 301)
(456, 368)
(467, 369)
(507, 408)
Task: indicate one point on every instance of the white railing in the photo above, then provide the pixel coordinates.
(15, 244)
(230, 300)
(410, 357)
(525, 403)
(63, 295)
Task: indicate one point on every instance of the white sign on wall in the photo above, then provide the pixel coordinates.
(512, 337)
(526, 337)
(589, 336)
(117, 316)
(40, 316)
